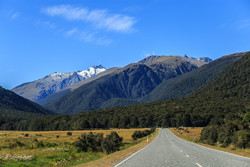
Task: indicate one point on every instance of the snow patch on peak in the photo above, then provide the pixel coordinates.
(92, 71)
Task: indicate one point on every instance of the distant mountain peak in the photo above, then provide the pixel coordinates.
(54, 82)
(153, 58)
(149, 59)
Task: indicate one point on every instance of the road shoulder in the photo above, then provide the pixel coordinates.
(118, 156)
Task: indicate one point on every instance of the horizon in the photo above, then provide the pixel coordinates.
(41, 37)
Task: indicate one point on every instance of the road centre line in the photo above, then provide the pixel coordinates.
(198, 164)
(187, 155)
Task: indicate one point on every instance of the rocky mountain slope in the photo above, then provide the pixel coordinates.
(39, 89)
(133, 81)
(71, 88)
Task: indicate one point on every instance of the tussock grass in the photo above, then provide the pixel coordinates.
(47, 149)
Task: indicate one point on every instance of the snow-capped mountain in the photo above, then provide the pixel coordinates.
(41, 88)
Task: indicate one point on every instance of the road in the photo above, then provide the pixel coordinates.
(167, 150)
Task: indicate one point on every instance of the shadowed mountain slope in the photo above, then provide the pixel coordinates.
(131, 82)
(222, 101)
(181, 85)
(14, 108)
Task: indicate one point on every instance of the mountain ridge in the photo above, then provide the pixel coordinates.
(41, 88)
(132, 81)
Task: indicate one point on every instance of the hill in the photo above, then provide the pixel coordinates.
(14, 108)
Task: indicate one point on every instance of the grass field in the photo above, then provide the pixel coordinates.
(193, 134)
(51, 148)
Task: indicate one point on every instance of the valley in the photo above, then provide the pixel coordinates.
(56, 148)
(124, 83)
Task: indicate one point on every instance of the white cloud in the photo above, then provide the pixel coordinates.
(146, 54)
(99, 18)
(13, 15)
(88, 37)
(46, 24)
(242, 24)
(71, 32)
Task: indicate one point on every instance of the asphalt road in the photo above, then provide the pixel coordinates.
(168, 150)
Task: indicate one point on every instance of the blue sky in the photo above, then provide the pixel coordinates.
(39, 37)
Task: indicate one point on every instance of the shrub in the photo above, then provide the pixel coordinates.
(242, 139)
(69, 133)
(26, 135)
(209, 134)
(139, 134)
(97, 143)
(112, 143)
(82, 143)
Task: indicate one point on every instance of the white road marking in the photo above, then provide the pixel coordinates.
(135, 152)
(130, 156)
(198, 164)
(187, 155)
(180, 150)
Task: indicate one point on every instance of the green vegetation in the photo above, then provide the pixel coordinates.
(140, 134)
(221, 106)
(97, 143)
(69, 133)
(14, 108)
(187, 83)
(45, 149)
(133, 81)
(223, 102)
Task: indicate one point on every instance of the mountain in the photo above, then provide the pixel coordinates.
(180, 86)
(14, 107)
(153, 58)
(223, 102)
(185, 84)
(133, 81)
(39, 89)
(71, 88)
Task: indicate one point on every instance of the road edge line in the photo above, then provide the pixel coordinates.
(133, 154)
(209, 147)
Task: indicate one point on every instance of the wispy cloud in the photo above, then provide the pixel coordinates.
(242, 24)
(146, 54)
(101, 19)
(132, 9)
(71, 32)
(46, 24)
(88, 37)
(13, 15)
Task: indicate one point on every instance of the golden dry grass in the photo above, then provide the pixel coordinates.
(9, 137)
(195, 133)
(190, 133)
(50, 136)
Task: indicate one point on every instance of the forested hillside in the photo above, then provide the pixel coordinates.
(225, 98)
(131, 82)
(14, 108)
(182, 85)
